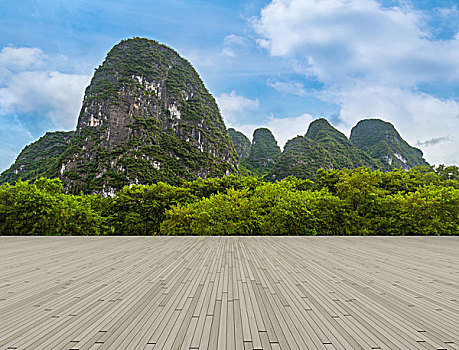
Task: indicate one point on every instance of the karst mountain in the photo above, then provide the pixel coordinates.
(147, 117)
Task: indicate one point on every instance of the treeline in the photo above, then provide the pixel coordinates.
(421, 201)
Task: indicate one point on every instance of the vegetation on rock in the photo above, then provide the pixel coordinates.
(40, 158)
(324, 147)
(301, 158)
(341, 149)
(146, 117)
(263, 154)
(241, 143)
(381, 141)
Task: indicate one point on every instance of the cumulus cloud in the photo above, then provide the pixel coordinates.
(20, 58)
(372, 60)
(54, 95)
(34, 98)
(234, 106)
(27, 87)
(345, 40)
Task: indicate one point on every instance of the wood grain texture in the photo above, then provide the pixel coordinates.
(301, 293)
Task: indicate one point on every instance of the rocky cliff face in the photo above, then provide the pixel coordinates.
(146, 117)
(381, 141)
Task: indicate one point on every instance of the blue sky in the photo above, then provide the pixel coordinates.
(273, 63)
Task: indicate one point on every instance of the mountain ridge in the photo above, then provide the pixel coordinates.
(323, 146)
(147, 117)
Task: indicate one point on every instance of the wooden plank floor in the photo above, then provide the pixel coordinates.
(300, 293)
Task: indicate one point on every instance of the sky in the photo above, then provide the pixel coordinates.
(269, 63)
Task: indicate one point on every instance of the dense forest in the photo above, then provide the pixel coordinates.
(421, 201)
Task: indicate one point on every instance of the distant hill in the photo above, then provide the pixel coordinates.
(341, 149)
(381, 141)
(263, 154)
(322, 147)
(40, 158)
(301, 158)
(374, 144)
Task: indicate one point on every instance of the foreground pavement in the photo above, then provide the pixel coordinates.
(229, 293)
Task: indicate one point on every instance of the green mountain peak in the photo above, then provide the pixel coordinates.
(381, 141)
(323, 146)
(264, 152)
(318, 126)
(146, 117)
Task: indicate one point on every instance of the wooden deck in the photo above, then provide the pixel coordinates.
(300, 293)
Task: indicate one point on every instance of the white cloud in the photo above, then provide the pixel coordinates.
(234, 107)
(345, 40)
(53, 94)
(371, 59)
(14, 59)
(289, 87)
(26, 87)
(283, 129)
